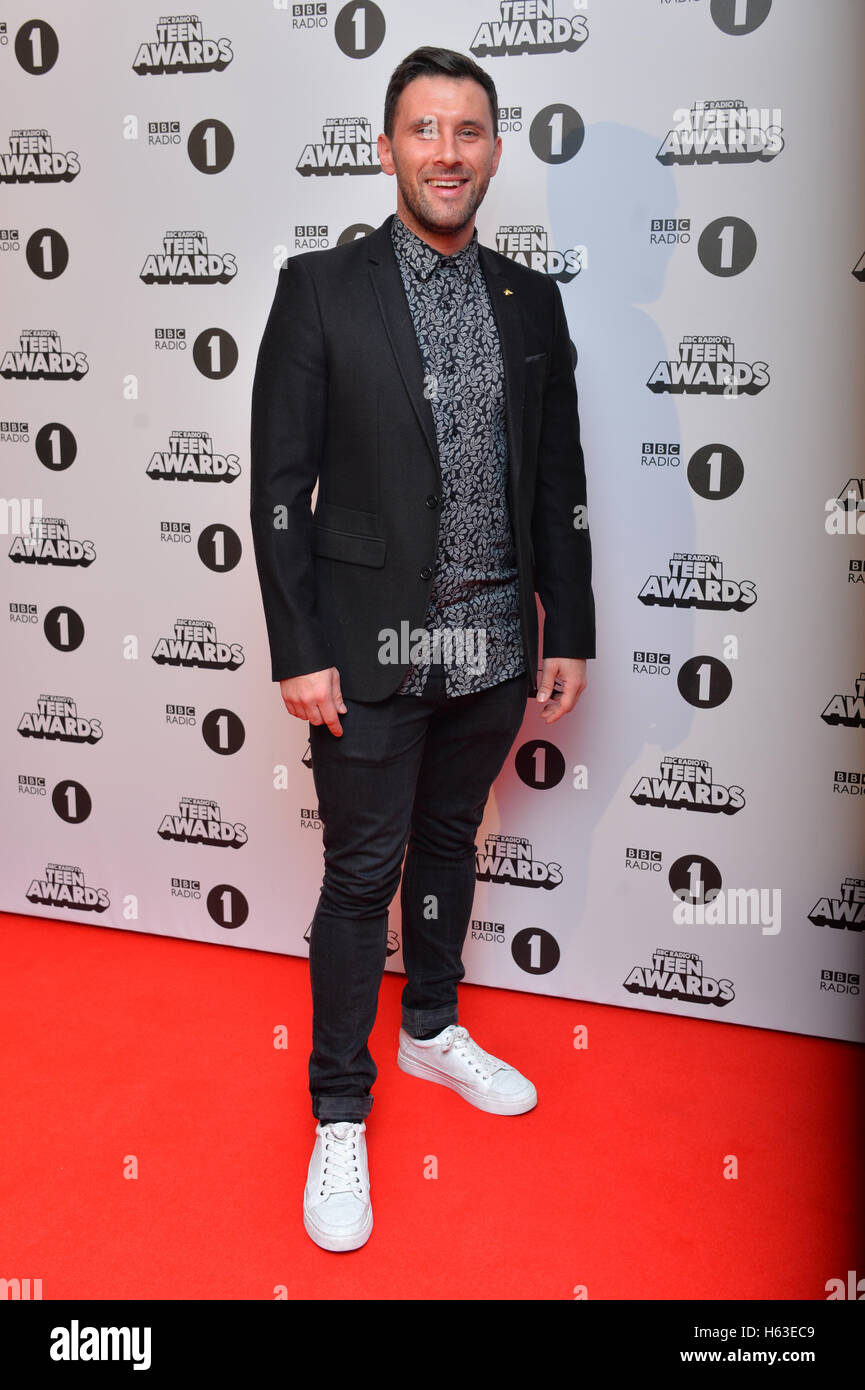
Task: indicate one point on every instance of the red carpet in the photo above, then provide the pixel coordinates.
(125, 1048)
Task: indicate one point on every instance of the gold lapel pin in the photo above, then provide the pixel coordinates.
(508, 291)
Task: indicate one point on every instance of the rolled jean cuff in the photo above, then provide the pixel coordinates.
(329, 1109)
(416, 1022)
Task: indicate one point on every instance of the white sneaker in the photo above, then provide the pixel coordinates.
(454, 1059)
(337, 1213)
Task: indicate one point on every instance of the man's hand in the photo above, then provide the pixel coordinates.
(316, 697)
(571, 674)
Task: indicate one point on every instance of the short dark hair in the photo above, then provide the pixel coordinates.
(432, 62)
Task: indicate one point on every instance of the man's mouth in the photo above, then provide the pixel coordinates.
(447, 185)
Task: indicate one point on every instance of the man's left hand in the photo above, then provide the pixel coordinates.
(571, 675)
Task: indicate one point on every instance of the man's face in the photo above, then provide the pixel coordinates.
(443, 155)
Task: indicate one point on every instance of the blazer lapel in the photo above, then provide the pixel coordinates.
(388, 286)
(505, 302)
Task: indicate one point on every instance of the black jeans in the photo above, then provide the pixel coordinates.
(413, 770)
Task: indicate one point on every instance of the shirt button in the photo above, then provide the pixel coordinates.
(426, 572)
(432, 500)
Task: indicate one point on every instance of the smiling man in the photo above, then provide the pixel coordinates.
(424, 382)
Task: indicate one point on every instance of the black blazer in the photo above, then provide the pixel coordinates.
(338, 398)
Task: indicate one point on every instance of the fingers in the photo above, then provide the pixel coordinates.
(316, 698)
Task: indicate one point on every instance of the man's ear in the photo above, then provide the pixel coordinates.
(385, 157)
(497, 154)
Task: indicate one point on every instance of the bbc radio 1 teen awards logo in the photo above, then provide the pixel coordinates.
(688, 784)
(180, 46)
(49, 543)
(844, 912)
(697, 581)
(848, 710)
(186, 259)
(347, 146)
(679, 975)
(722, 132)
(199, 822)
(64, 885)
(190, 458)
(529, 246)
(40, 356)
(529, 26)
(56, 717)
(707, 365)
(33, 159)
(510, 859)
(195, 644)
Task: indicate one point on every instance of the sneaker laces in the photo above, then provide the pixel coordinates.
(340, 1169)
(460, 1039)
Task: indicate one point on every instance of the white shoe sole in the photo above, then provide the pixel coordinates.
(335, 1240)
(494, 1105)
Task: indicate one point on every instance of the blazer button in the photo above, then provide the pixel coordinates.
(432, 500)
(426, 572)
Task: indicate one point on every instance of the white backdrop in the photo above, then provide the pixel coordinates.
(693, 173)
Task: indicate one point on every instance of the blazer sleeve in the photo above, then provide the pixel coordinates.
(560, 534)
(289, 413)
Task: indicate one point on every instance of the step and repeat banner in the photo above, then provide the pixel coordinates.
(690, 172)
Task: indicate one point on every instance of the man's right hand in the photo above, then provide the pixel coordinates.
(316, 697)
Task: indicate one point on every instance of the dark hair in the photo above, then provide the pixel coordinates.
(432, 62)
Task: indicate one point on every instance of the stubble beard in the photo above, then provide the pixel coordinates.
(433, 217)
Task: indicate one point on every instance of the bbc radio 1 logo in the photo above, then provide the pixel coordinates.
(200, 822)
(309, 818)
(722, 132)
(214, 351)
(688, 784)
(186, 259)
(510, 859)
(36, 47)
(707, 365)
(31, 784)
(646, 663)
(56, 717)
(697, 581)
(64, 885)
(33, 159)
(529, 246)
(856, 572)
(311, 15)
(530, 26)
(190, 458)
(186, 888)
(347, 146)
(846, 912)
(847, 782)
(14, 432)
(40, 356)
(669, 231)
(645, 861)
(848, 710)
(10, 239)
(49, 543)
(180, 46)
(679, 975)
(839, 982)
(195, 644)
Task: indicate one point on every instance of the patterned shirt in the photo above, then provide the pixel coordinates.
(472, 622)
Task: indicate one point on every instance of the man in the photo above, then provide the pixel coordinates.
(425, 383)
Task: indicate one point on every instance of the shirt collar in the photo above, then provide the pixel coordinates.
(425, 259)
